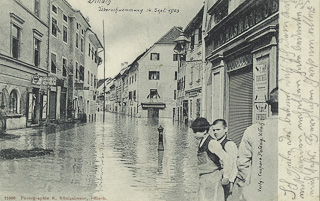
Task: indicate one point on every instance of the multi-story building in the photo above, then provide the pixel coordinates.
(191, 103)
(153, 77)
(73, 53)
(92, 61)
(102, 87)
(24, 61)
(241, 51)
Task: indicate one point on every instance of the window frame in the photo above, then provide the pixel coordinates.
(55, 63)
(65, 28)
(153, 94)
(157, 56)
(64, 67)
(36, 60)
(13, 107)
(77, 40)
(154, 75)
(82, 44)
(18, 39)
(65, 18)
(56, 9)
(54, 27)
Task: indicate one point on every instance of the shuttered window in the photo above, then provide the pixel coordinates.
(240, 102)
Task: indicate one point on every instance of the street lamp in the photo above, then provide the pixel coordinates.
(181, 44)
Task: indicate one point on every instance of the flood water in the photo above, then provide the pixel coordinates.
(115, 160)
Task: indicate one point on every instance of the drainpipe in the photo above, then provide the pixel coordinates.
(204, 86)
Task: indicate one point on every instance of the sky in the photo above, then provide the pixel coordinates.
(130, 33)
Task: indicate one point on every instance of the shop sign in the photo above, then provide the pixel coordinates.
(261, 111)
(78, 86)
(260, 73)
(49, 81)
(260, 11)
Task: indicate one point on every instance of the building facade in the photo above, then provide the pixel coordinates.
(241, 52)
(156, 78)
(24, 61)
(190, 72)
(73, 63)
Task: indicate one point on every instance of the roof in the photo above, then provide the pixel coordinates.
(170, 36)
(100, 82)
(95, 39)
(194, 23)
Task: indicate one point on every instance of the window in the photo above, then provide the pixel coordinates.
(134, 95)
(82, 31)
(200, 35)
(175, 75)
(81, 75)
(174, 94)
(78, 26)
(135, 77)
(153, 94)
(89, 50)
(192, 42)
(130, 95)
(95, 81)
(95, 57)
(54, 27)
(77, 70)
(37, 8)
(65, 34)
(154, 75)
(192, 74)
(13, 102)
(82, 45)
(65, 18)
(16, 32)
(77, 40)
(88, 77)
(91, 79)
(175, 57)
(54, 9)
(53, 63)
(92, 51)
(36, 52)
(64, 67)
(154, 56)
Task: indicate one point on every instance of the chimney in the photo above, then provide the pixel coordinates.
(125, 64)
(122, 64)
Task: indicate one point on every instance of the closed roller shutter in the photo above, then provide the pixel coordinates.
(240, 103)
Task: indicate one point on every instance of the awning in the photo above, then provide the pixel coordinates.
(153, 105)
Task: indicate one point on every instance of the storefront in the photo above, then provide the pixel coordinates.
(242, 54)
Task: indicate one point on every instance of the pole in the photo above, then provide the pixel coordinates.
(104, 75)
(204, 73)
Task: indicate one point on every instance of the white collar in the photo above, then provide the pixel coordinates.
(224, 137)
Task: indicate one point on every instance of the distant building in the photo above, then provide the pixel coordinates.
(152, 79)
(24, 61)
(100, 92)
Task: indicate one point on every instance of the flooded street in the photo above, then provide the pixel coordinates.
(115, 160)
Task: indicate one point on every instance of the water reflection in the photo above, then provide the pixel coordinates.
(118, 160)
